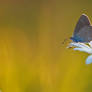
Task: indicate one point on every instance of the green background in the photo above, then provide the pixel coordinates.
(32, 58)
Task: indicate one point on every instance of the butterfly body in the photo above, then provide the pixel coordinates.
(77, 39)
(83, 30)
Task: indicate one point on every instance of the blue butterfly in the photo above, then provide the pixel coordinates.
(83, 30)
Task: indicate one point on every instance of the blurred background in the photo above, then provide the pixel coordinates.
(32, 58)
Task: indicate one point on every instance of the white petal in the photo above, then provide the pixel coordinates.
(90, 43)
(89, 59)
(80, 49)
(80, 45)
(84, 50)
(84, 45)
(76, 44)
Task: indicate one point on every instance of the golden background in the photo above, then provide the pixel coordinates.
(32, 58)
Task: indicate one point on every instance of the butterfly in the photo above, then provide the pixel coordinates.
(83, 30)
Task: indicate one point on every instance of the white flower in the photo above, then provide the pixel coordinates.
(84, 48)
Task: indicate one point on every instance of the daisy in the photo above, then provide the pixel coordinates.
(84, 48)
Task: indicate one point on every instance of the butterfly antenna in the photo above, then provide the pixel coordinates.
(65, 40)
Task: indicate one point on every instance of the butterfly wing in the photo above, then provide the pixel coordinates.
(82, 22)
(85, 34)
